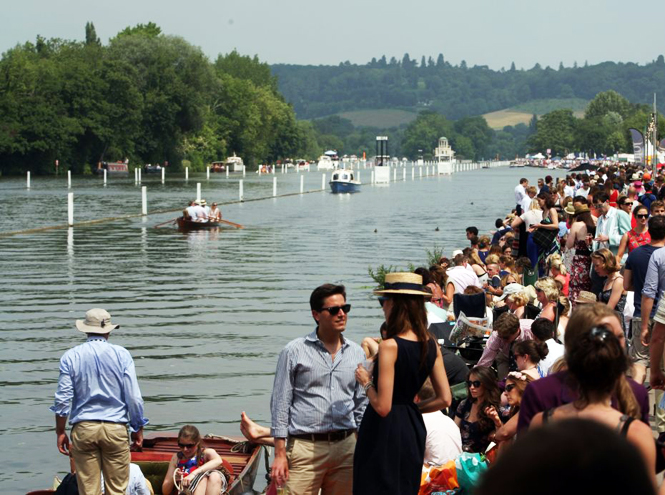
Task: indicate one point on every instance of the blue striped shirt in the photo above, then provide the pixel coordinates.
(98, 383)
(312, 392)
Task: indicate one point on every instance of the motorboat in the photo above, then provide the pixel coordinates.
(343, 181)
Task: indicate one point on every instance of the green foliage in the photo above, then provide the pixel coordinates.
(434, 255)
(146, 96)
(379, 275)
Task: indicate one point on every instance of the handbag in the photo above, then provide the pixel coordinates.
(543, 238)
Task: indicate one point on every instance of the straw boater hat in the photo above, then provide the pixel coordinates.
(586, 297)
(97, 320)
(403, 283)
(203, 202)
(570, 208)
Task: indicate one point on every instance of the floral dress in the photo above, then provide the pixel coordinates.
(580, 276)
(474, 439)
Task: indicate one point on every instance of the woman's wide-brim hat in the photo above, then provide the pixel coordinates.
(403, 283)
(97, 320)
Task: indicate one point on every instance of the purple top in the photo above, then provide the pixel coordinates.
(553, 391)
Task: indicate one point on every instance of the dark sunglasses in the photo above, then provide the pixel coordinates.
(627, 203)
(474, 383)
(382, 300)
(186, 445)
(510, 387)
(333, 310)
(642, 216)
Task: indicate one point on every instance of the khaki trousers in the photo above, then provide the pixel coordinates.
(99, 447)
(327, 466)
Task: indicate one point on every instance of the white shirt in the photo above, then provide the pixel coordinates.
(526, 203)
(200, 213)
(569, 191)
(137, 484)
(520, 192)
(555, 352)
(461, 277)
(191, 211)
(444, 441)
(582, 192)
(531, 217)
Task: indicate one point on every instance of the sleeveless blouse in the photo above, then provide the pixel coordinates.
(636, 240)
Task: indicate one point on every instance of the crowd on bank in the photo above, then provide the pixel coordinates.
(560, 287)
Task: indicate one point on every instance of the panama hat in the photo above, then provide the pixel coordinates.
(586, 297)
(581, 209)
(203, 202)
(403, 283)
(97, 320)
(570, 208)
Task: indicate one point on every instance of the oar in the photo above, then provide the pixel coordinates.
(164, 223)
(232, 223)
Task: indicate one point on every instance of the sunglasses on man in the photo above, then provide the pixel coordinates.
(333, 310)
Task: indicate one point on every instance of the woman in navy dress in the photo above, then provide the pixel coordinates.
(391, 440)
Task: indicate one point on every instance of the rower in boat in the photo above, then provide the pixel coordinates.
(215, 214)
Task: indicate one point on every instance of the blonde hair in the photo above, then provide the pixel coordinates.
(610, 264)
(519, 298)
(549, 287)
(492, 259)
(555, 261)
(475, 259)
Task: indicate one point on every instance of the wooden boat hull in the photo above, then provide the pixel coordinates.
(189, 225)
(159, 448)
(344, 187)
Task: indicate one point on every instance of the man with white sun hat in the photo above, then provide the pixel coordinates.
(98, 390)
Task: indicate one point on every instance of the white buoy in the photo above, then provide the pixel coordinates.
(208, 173)
(186, 173)
(104, 177)
(163, 174)
(274, 187)
(144, 200)
(198, 191)
(69, 179)
(28, 181)
(70, 209)
(323, 181)
(241, 196)
(302, 183)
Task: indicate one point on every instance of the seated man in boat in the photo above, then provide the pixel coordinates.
(215, 214)
(190, 212)
(199, 212)
(205, 206)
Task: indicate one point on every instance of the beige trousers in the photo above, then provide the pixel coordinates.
(97, 448)
(327, 466)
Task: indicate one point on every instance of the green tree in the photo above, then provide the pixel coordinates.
(91, 35)
(556, 131)
(608, 101)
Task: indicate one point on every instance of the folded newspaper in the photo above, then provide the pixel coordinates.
(466, 327)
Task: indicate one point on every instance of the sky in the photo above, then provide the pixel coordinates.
(313, 32)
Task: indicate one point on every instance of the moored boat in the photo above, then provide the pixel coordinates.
(241, 460)
(343, 181)
(113, 168)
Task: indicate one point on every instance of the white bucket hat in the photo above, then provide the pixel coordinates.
(97, 320)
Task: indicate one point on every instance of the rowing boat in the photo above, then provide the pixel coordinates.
(184, 224)
(241, 459)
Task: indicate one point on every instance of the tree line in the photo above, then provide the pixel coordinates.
(145, 96)
(456, 91)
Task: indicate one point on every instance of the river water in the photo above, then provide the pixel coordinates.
(204, 314)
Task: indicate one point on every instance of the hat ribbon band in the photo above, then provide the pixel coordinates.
(402, 286)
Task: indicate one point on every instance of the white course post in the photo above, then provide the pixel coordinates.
(395, 174)
(323, 181)
(420, 172)
(163, 174)
(70, 209)
(144, 200)
(136, 176)
(28, 181)
(198, 191)
(302, 183)
(413, 172)
(69, 178)
(244, 170)
(186, 173)
(241, 195)
(139, 175)
(208, 173)
(371, 179)
(404, 174)
(274, 187)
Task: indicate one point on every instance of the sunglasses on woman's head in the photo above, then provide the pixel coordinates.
(510, 387)
(333, 310)
(473, 383)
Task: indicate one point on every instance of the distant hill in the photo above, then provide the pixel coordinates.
(380, 119)
(522, 114)
(458, 91)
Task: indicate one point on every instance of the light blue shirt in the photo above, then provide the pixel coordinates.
(312, 392)
(654, 283)
(98, 383)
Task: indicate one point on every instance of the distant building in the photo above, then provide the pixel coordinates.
(444, 157)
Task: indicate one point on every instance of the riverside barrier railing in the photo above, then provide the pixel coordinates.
(377, 175)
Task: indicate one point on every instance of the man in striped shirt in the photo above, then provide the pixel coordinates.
(316, 403)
